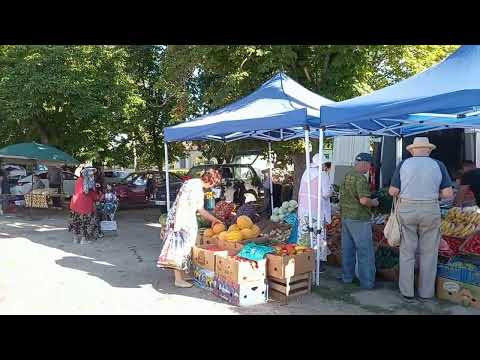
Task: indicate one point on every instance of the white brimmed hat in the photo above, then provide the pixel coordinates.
(421, 142)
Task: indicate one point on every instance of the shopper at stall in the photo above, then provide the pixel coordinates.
(180, 232)
(357, 242)
(82, 206)
(418, 181)
(4, 191)
(325, 210)
(469, 185)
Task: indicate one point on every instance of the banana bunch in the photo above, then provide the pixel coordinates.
(456, 215)
(458, 229)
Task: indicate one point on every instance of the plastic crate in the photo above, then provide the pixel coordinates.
(462, 275)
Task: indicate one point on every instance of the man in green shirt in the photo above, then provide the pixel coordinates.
(357, 242)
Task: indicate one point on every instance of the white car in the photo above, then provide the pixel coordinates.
(24, 184)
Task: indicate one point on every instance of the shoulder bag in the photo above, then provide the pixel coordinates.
(392, 228)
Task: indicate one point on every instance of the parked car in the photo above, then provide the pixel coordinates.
(133, 191)
(114, 176)
(24, 184)
(233, 174)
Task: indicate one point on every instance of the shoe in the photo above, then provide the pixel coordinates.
(182, 284)
(340, 280)
(76, 239)
(426, 300)
(408, 299)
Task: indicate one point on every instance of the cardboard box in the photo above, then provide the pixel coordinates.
(239, 272)
(458, 292)
(282, 267)
(231, 246)
(252, 293)
(204, 257)
(203, 278)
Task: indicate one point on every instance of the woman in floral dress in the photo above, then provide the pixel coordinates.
(180, 232)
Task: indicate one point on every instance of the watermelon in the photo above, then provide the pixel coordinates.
(285, 204)
(275, 218)
(293, 203)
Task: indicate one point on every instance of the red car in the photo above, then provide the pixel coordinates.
(136, 191)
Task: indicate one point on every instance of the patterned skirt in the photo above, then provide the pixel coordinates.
(83, 225)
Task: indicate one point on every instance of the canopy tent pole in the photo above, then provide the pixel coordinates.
(167, 180)
(399, 150)
(320, 214)
(381, 162)
(309, 193)
(270, 168)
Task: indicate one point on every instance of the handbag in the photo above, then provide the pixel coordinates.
(392, 230)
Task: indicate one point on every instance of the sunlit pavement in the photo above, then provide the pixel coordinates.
(43, 272)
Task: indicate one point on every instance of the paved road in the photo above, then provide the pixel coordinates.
(43, 272)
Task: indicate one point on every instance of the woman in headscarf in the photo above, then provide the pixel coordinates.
(325, 210)
(82, 208)
(180, 232)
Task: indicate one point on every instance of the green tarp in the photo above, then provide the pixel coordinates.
(39, 152)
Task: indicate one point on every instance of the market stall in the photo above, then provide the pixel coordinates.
(33, 154)
(442, 97)
(280, 110)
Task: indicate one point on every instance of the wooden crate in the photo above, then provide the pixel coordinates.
(285, 289)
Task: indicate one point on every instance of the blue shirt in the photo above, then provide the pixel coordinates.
(421, 178)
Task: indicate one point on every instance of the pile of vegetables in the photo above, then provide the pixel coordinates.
(472, 245)
(460, 223)
(276, 233)
(384, 199)
(386, 258)
(290, 249)
(378, 235)
(335, 227)
(224, 211)
(202, 223)
(453, 245)
(287, 207)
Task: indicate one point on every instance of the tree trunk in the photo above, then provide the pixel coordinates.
(299, 169)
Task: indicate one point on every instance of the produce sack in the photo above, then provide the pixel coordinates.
(392, 230)
(255, 252)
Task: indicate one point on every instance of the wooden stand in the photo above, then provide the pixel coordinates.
(285, 289)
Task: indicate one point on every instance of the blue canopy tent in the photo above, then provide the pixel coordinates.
(279, 110)
(446, 95)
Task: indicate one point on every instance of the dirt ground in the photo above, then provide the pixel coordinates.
(43, 272)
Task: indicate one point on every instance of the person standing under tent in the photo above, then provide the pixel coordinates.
(417, 182)
(4, 191)
(469, 185)
(357, 242)
(180, 231)
(325, 211)
(266, 191)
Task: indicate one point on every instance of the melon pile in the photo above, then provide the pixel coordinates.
(243, 229)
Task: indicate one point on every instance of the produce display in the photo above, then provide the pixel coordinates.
(202, 223)
(244, 229)
(335, 227)
(386, 258)
(276, 233)
(287, 207)
(460, 223)
(453, 245)
(224, 211)
(290, 249)
(379, 236)
(384, 199)
(472, 245)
